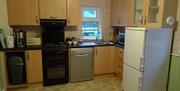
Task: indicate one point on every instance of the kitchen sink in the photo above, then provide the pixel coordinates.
(94, 43)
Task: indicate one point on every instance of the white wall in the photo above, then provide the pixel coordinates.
(4, 17)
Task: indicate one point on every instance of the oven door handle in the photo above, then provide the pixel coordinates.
(60, 65)
(59, 52)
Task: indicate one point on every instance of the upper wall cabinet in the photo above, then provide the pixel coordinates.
(73, 12)
(146, 13)
(52, 9)
(153, 13)
(122, 12)
(23, 12)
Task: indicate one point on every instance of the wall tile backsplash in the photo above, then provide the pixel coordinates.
(31, 31)
(176, 44)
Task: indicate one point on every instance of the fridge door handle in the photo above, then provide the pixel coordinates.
(140, 83)
(142, 63)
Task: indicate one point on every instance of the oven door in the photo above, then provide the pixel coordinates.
(55, 67)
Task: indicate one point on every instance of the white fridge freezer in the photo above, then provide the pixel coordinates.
(146, 59)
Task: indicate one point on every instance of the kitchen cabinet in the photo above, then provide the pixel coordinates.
(2, 71)
(34, 70)
(122, 12)
(73, 12)
(119, 62)
(23, 12)
(52, 9)
(153, 13)
(111, 59)
(104, 60)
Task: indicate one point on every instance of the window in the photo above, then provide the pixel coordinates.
(91, 25)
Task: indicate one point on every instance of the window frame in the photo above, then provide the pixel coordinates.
(98, 19)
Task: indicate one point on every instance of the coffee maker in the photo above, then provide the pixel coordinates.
(20, 38)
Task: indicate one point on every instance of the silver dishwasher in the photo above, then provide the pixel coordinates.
(80, 64)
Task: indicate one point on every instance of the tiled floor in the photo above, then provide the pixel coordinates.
(100, 83)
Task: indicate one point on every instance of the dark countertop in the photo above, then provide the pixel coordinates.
(90, 44)
(81, 45)
(118, 45)
(93, 44)
(22, 49)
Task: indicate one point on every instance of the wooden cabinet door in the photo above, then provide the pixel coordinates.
(154, 13)
(122, 12)
(73, 12)
(3, 76)
(100, 60)
(31, 12)
(23, 12)
(139, 12)
(111, 59)
(119, 62)
(34, 70)
(15, 12)
(52, 9)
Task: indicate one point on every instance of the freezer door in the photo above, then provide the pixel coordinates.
(132, 79)
(134, 48)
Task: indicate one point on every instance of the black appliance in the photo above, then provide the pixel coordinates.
(55, 52)
(121, 38)
(20, 38)
(53, 31)
(55, 64)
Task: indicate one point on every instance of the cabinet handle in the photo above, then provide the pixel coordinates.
(37, 21)
(27, 56)
(145, 20)
(53, 17)
(142, 63)
(68, 21)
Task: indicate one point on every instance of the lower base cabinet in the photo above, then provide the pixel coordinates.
(119, 62)
(104, 60)
(2, 71)
(34, 70)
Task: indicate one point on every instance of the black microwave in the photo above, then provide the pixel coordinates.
(121, 38)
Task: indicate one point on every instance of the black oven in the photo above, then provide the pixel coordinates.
(55, 66)
(55, 52)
